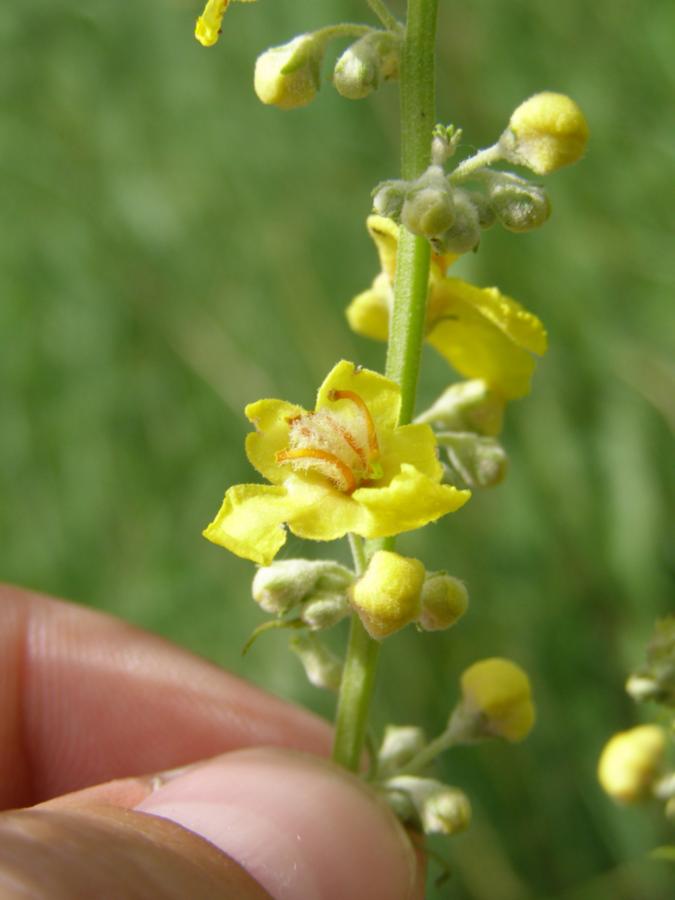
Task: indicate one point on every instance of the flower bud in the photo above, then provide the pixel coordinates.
(207, 29)
(322, 667)
(496, 702)
(466, 406)
(429, 209)
(444, 142)
(545, 133)
(324, 610)
(285, 584)
(444, 601)
(388, 199)
(440, 809)
(387, 596)
(480, 462)
(366, 63)
(288, 76)
(464, 233)
(519, 206)
(399, 745)
(630, 762)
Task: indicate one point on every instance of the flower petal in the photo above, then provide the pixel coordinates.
(410, 501)
(381, 396)
(270, 418)
(385, 234)
(250, 521)
(368, 313)
(321, 512)
(412, 444)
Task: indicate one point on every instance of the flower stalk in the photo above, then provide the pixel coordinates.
(417, 86)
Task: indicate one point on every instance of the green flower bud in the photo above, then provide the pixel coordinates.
(631, 761)
(444, 142)
(466, 406)
(429, 209)
(322, 667)
(655, 680)
(519, 206)
(486, 214)
(481, 462)
(324, 610)
(285, 584)
(464, 233)
(388, 199)
(444, 601)
(399, 745)
(372, 59)
(440, 809)
(387, 596)
(289, 76)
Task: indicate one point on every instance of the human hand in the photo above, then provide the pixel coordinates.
(88, 700)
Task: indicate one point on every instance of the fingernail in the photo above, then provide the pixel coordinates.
(301, 827)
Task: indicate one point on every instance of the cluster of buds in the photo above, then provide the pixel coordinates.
(317, 589)
(396, 590)
(631, 766)
(466, 419)
(546, 132)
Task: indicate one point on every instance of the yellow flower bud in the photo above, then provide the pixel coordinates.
(288, 76)
(387, 596)
(499, 692)
(444, 601)
(207, 29)
(630, 762)
(546, 132)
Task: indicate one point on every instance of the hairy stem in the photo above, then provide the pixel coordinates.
(383, 13)
(406, 334)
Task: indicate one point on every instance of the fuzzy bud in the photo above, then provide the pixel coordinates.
(285, 584)
(444, 601)
(464, 233)
(324, 610)
(466, 406)
(480, 462)
(519, 206)
(439, 808)
(496, 702)
(288, 76)
(399, 745)
(545, 133)
(429, 209)
(388, 199)
(322, 667)
(387, 596)
(630, 762)
(372, 59)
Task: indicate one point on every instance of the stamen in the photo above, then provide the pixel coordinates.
(373, 445)
(350, 440)
(323, 456)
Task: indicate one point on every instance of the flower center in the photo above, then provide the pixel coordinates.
(340, 444)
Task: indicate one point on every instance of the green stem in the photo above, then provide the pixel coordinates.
(478, 161)
(383, 13)
(405, 344)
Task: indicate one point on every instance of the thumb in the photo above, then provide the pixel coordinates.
(247, 825)
(302, 827)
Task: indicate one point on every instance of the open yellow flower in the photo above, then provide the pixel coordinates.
(481, 332)
(344, 467)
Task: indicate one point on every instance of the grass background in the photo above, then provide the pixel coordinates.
(170, 250)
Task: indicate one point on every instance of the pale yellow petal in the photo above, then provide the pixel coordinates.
(385, 234)
(270, 418)
(410, 501)
(368, 313)
(412, 444)
(250, 522)
(381, 396)
(320, 511)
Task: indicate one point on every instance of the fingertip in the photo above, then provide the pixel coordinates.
(303, 828)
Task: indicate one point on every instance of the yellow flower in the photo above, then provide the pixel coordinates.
(387, 596)
(499, 692)
(481, 332)
(344, 467)
(630, 762)
(207, 29)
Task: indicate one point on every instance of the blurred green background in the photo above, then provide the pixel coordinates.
(170, 249)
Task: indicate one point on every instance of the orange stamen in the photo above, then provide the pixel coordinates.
(322, 455)
(373, 446)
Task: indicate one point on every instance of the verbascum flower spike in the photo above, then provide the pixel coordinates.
(439, 809)
(444, 601)
(346, 466)
(207, 29)
(388, 595)
(289, 76)
(631, 761)
(545, 133)
(481, 332)
(496, 702)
